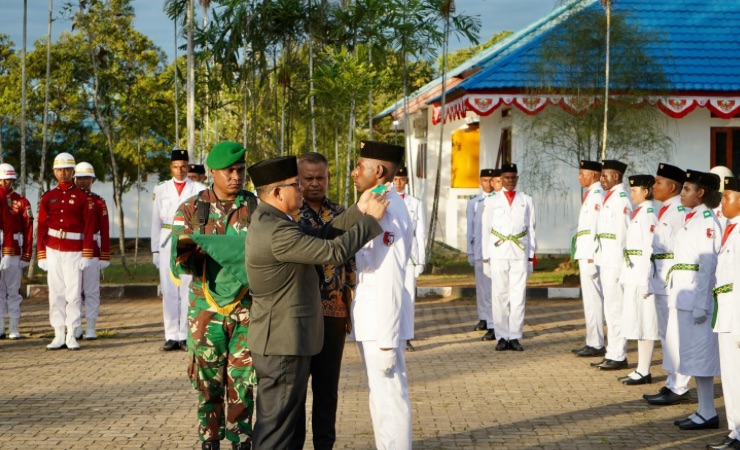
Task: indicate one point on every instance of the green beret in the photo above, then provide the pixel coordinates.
(224, 154)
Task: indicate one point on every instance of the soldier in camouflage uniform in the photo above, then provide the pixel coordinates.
(210, 229)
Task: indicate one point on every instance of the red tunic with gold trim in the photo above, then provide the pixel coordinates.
(7, 224)
(101, 247)
(67, 221)
(20, 207)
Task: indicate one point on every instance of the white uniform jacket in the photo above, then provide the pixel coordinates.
(418, 224)
(380, 302)
(639, 245)
(585, 238)
(611, 228)
(671, 216)
(511, 233)
(165, 206)
(697, 244)
(477, 240)
(728, 272)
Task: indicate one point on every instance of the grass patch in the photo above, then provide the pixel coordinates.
(144, 272)
(106, 334)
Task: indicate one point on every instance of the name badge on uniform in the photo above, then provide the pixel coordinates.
(388, 238)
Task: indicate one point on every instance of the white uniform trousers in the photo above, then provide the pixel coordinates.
(675, 381)
(593, 303)
(390, 408)
(692, 348)
(616, 348)
(509, 287)
(64, 279)
(174, 299)
(91, 289)
(639, 318)
(483, 293)
(10, 290)
(729, 357)
(409, 284)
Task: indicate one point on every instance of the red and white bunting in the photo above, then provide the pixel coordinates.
(675, 107)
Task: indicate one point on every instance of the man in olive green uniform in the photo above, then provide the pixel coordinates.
(210, 229)
(287, 326)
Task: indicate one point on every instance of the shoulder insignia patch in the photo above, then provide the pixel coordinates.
(650, 210)
(622, 194)
(681, 208)
(472, 197)
(710, 233)
(707, 214)
(652, 228)
(626, 210)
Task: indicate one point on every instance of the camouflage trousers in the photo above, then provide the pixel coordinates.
(221, 369)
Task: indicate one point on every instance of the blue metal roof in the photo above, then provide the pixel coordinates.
(700, 49)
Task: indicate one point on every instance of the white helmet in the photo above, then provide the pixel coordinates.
(64, 161)
(84, 169)
(722, 172)
(7, 172)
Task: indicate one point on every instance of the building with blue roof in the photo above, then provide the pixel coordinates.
(498, 97)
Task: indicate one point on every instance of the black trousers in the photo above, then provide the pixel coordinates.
(325, 369)
(281, 396)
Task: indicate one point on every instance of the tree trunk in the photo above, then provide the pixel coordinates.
(608, 7)
(191, 83)
(350, 140)
(138, 199)
(177, 88)
(23, 99)
(310, 82)
(370, 95)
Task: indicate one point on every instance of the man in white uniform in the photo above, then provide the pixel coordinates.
(612, 233)
(584, 249)
(382, 305)
(511, 248)
(476, 242)
(671, 216)
(168, 195)
(417, 260)
(726, 320)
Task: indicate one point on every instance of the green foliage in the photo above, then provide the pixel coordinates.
(458, 57)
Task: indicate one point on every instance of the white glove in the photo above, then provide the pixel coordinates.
(487, 268)
(23, 264)
(42, 265)
(471, 260)
(386, 360)
(84, 263)
(155, 259)
(5, 262)
(418, 269)
(700, 316)
(103, 264)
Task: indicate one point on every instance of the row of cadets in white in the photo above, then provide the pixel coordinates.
(510, 264)
(476, 242)
(611, 235)
(585, 251)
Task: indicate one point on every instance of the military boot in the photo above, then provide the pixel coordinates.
(241, 446)
(58, 341)
(90, 334)
(71, 341)
(210, 445)
(14, 333)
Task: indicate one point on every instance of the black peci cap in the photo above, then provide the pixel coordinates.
(382, 151)
(645, 181)
(273, 170)
(591, 165)
(613, 164)
(671, 172)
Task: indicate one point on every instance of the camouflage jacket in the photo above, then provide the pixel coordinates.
(337, 282)
(205, 214)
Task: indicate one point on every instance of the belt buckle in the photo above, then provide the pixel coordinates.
(62, 234)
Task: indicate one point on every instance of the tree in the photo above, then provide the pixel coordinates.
(571, 62)
(460, 56)
(9, 95)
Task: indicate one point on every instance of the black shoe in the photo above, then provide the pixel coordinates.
(587, 352)
(481, 326)
(644, 379)
(208, 445)
(515, 345)
(183, 345)
(576, 350)
(671, 398)
(503, 344)
(711, 424)
(169, 346)
(489, 336)
(681, 421)
(2, 336)
(663, 391)
(612, 365)
(241, 446)
(726, 443)
(409, 346)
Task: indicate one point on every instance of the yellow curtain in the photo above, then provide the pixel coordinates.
(465, 157)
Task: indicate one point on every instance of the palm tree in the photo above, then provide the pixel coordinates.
(190, 86)
(23, 99)
(607, 4)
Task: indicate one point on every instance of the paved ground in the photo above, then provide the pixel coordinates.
(121, 392)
